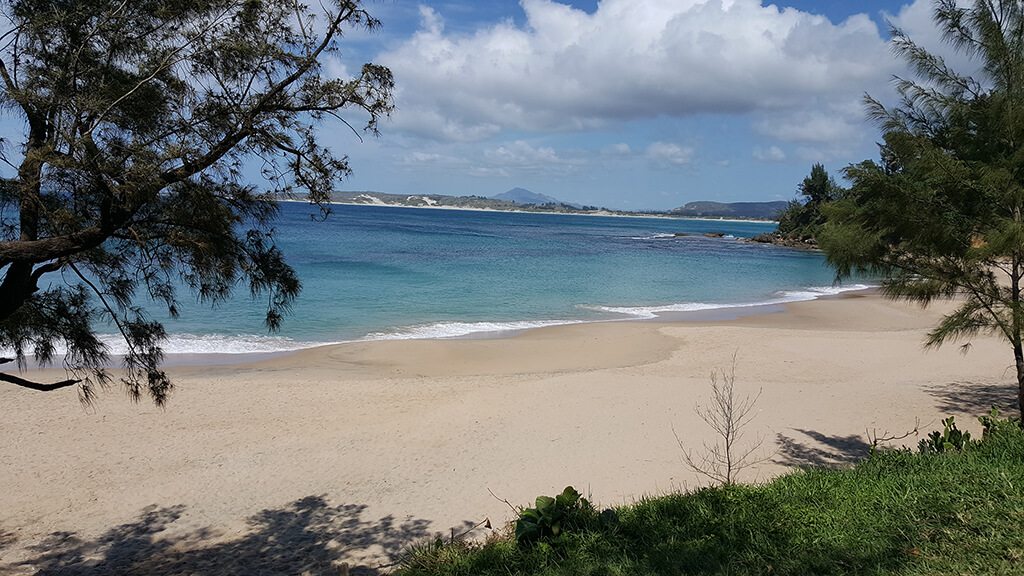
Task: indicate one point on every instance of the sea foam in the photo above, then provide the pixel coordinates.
(461, 329)
(783, 297)
(217, 344)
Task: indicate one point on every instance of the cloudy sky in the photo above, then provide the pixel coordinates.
(629, 104)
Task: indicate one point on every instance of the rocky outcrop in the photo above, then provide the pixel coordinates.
(780, 240)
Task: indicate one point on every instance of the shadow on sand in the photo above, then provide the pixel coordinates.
(815, 449)
(306, 536)
(973, 398)
(811, 448)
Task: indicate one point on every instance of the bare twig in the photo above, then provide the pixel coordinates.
(875, 439)
(727, 416)
(507, 503)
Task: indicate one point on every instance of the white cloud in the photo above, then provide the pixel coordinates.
(335, 68)
(420, 159)
(666, 154)
(566, 70)
(516, 157)
(813, 126)
(620, 149)
(522, 154)
(771, 154)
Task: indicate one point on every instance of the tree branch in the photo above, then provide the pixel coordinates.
(52, 248)
(36, 385)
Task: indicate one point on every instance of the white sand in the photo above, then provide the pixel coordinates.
(348, 453)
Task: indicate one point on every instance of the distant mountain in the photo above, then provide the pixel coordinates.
(705, 209)
(524, 196)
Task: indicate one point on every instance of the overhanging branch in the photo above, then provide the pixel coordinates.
(35, 385)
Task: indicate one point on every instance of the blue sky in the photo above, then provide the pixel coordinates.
(629, 104)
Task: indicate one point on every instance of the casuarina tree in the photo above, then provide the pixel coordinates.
(802, 219)
(141, 121)
(941, 214)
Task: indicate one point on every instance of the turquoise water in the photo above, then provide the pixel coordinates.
(373, 272)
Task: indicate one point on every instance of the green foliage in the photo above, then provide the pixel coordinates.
(551, 518)
(801, 220)
(993, 425)
(949, 440)
(140, 119)
(941, 214)
(819, 187)
(793, 219)
(898, 513)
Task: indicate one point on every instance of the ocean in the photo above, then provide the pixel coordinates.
(372, 272)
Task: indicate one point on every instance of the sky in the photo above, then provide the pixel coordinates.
(636, 105)
(626, 104)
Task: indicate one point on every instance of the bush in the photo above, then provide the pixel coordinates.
(552, 518)
(949, 440)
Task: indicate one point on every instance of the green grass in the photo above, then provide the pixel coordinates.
(897, 513)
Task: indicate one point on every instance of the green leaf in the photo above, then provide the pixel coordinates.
(527, 532)
(529, 514)
(567, 498)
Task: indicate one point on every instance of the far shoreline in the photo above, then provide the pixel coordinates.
(607, 214)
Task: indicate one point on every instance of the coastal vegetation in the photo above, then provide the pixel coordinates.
(140, 118)
(941, 215)
(957, 511)
(802, 219)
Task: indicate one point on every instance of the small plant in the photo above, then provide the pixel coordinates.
(727, 415)
(994, 425)
(949, 440)
(876, 440)
(550, 519)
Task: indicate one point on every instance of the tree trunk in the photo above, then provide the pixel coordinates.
(16, 287)
(1018, 356)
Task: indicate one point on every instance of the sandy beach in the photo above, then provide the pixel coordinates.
(350, 453)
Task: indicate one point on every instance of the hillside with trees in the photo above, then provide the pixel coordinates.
(740, 210)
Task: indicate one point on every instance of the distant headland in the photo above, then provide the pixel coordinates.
(522, 200)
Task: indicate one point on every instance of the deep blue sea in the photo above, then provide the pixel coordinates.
(372, 272)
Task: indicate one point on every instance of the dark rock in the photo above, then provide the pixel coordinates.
(780, 240)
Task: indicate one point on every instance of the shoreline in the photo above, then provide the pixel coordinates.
(599, 213)
(371, 446)
(711, 313)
